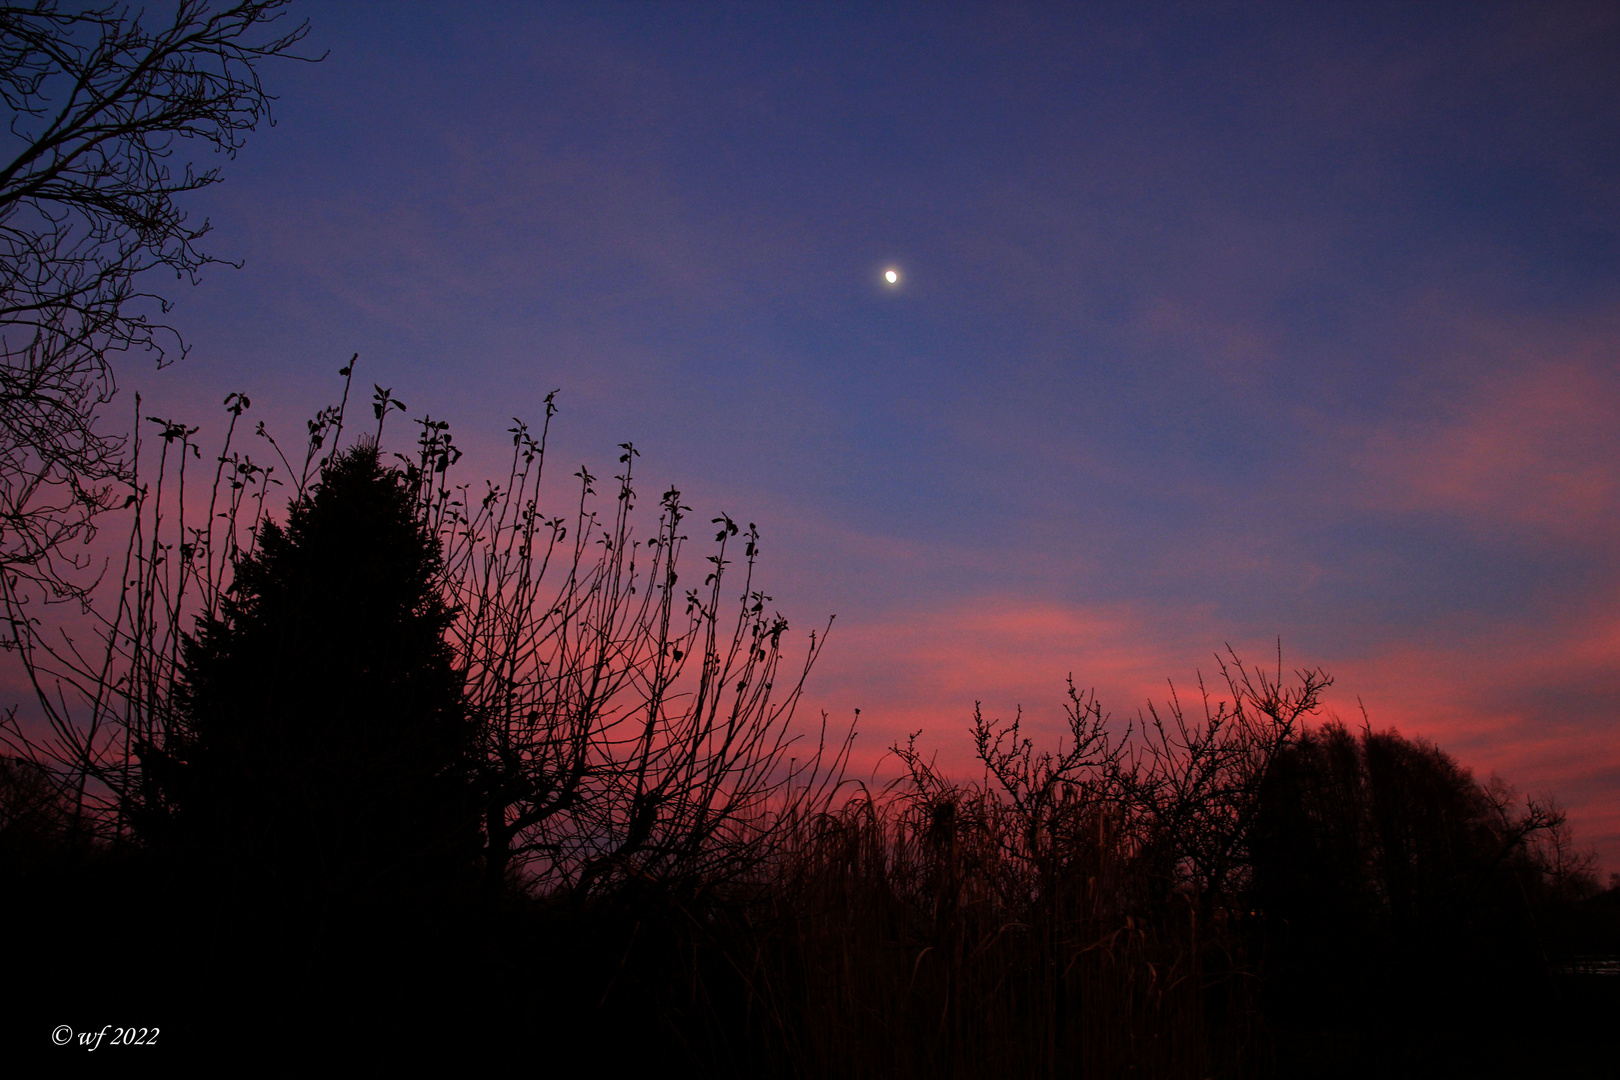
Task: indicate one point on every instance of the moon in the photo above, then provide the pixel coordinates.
(892, 276)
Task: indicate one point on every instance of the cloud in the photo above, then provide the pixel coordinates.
(1536, 448)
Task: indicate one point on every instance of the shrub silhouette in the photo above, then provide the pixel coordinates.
(321, 744)
(1381, 832)
(36, 816)
(1394, 886)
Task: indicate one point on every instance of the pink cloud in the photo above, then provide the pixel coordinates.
(1531, 443)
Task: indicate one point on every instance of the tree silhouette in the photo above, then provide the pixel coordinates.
(1395, 888)
(111, 120)
(322, 744)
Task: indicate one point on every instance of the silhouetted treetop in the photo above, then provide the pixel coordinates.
(323, 731)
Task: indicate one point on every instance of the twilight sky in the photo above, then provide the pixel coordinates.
(1217, 324)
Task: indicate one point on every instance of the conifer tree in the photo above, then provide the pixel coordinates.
(324, 746)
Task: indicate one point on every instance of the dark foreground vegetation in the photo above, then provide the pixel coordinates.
(414, 771)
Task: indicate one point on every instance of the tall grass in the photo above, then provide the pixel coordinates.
(911, 945)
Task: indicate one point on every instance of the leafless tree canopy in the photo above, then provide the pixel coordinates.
(634, 727)
(109, 117)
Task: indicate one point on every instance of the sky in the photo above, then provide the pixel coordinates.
(1217, 326)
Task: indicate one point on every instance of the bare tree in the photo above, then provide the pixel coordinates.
(1194, 785)
(108, 117)
(632, 728)
(1051, 793)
